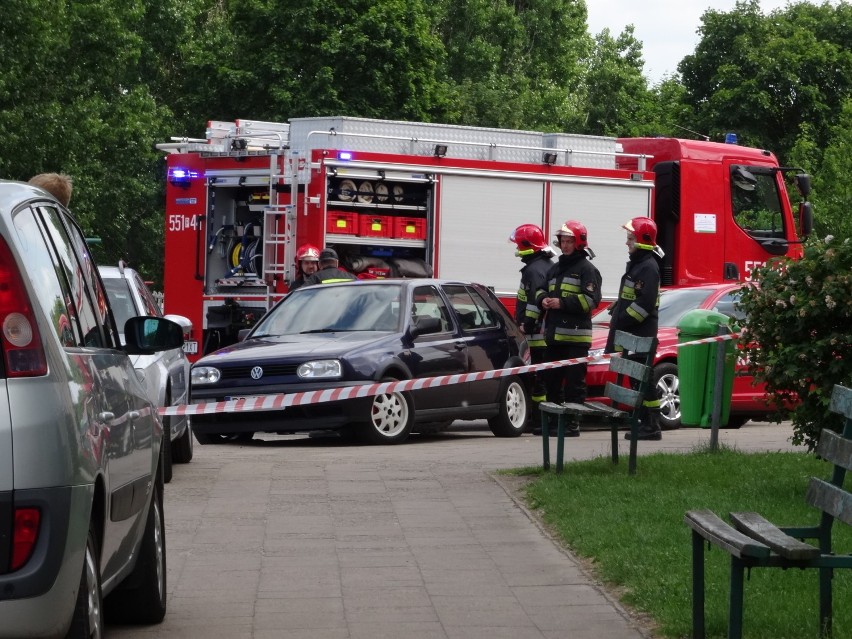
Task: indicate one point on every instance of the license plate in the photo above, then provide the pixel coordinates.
(190, 347)
(234, 398)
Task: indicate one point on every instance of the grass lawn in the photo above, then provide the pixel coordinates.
(632, 530)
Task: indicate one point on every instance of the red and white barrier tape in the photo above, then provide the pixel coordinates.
(281, 401)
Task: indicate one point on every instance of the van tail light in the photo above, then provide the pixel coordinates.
(23, 353)
(24, 535)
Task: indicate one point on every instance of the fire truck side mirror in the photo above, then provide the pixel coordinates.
(806, 218)
(803, 184)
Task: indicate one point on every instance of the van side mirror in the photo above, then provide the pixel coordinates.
(147, 335)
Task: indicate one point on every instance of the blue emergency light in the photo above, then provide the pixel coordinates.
(344, 155)
(181, 177)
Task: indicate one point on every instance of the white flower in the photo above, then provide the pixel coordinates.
(792, 300)
(829, 302)
(829, 239)
(781, 303)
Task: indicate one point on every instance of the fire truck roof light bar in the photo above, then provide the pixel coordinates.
(641, 157)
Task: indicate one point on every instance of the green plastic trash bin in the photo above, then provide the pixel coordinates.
(696, 366)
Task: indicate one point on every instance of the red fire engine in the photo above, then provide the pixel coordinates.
(402, 198)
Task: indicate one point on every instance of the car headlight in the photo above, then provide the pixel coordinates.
(320, 369)
(204, 375)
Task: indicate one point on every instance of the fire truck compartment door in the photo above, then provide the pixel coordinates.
(602, 208)
(477, 215)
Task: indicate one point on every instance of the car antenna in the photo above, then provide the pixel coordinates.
(700, 135)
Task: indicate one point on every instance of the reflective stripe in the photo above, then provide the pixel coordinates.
(628, 292)
(579, 339)
(522, 295)
(539, 398)
(532, 312)
(652, 403)
(536, 343)
(336, 280)
(637, 312)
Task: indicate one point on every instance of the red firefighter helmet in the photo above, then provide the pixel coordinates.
(307, 252)
(573, 228)
(645, 230)
(529, 238)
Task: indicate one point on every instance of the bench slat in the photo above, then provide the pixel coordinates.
(707, 524)
(759, 528)
(835, 449)
(830, 499)
(841, 401)
(630, 342)
(622, 395)
(631, 368)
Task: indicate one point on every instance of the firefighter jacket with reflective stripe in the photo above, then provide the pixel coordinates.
(576, 282)
(533, 286)
(635, 310)
(329, 275)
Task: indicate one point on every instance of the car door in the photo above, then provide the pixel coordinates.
(484, 336)
(124, 425)
(434, 354)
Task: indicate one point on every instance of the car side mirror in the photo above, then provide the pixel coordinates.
(806, 218)
(425, 324)
(147, 335)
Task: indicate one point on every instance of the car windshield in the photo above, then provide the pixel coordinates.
(326, 309)
(674, 303)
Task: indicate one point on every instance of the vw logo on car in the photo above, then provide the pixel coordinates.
(256, 372)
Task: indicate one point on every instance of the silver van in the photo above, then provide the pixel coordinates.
(82, 533)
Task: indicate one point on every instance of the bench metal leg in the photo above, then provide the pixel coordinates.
(634, 444)
(735, 606)
(614, 433)
(560, 442)
(697, 586)
(825, 613)
(545, 439)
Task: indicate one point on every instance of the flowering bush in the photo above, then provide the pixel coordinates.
(799, 333)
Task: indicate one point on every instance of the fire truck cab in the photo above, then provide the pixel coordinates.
(407, 199)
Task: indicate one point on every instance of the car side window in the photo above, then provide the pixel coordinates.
(88, 301)
(427, 302)
(473, 311)
(152, 309)
(728, 305)
(49, 283)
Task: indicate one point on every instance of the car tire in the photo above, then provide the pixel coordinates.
(141, 597)
(182, 446)
(88, 619)
(166, 454)
(390, 418)
(514, 413)
(668, 386)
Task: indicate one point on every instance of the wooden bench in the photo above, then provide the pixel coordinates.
(753, 541)
(626, 408)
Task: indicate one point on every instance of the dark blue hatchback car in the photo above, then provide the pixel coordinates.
(362, 332)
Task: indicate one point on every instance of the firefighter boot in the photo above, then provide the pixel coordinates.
(649, 428)
(572, 428)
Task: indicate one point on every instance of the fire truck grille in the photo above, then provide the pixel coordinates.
(269, 370)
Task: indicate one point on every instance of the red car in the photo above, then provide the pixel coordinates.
(747, 401)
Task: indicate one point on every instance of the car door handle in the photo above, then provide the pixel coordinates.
(106, 416)
(460, 346)
(133, 415)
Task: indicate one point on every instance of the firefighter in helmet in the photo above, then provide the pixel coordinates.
(307, 263)
(573, 292)
(329, 270)
(635, 310)
(536, 256)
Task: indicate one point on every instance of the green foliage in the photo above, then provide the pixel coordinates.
(632, 529)
(798, 339)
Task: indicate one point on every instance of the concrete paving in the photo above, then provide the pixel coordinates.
(299, 537)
